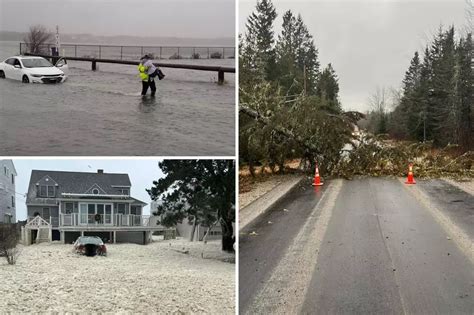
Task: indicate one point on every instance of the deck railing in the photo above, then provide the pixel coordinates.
(76, 219)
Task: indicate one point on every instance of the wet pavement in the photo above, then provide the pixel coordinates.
(383, 252)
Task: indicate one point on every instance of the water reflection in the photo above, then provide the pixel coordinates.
(147, 103)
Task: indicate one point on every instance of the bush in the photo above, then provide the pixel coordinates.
(216, 55)
(8, 243)
(176, 56)
(195, 56)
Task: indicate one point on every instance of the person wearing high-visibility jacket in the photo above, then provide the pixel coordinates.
(146, 69)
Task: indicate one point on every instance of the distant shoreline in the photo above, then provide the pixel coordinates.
(89, 39)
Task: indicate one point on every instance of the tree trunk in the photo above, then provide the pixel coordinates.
(227, 236)
(191, 238)
(204, 238)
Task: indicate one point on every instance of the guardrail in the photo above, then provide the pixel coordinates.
(220, 70)
(135, 52)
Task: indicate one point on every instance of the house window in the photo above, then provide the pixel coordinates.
(69, 207)
(51, 191)
(46, 214)
(13, 179)
(43, 192)
(135, 210)
(5, 170)
(95, 191)
(13, 201)
(47, 191)
(8, 218)
(124, 191)
(121, 208)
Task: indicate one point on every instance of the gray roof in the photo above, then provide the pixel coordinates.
(77, 182)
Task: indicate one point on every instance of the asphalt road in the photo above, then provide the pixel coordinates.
(366, 246)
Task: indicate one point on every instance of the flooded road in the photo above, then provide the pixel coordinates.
(102, 113)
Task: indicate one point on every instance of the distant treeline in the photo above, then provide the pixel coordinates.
(437, 99)
(128, 40)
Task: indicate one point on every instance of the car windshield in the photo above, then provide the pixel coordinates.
(36, 63)
(90, 240)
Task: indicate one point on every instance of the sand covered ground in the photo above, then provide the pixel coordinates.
(163, 277)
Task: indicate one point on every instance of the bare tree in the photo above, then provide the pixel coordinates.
(36, 38)
(378, 103)
(8, 243)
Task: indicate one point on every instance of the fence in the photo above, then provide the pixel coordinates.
(133, 52)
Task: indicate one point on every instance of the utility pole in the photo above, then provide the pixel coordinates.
(58, 44)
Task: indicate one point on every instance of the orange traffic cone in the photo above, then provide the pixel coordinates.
(317, 179)
(410, 179)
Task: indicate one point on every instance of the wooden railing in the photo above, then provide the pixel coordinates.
(76, 219)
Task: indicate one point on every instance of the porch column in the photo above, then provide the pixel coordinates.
(82, 233)
(62, 237)
(115, 237)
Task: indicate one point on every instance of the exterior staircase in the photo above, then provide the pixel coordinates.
(44, 233)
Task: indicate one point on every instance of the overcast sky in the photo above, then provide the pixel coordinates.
(142, 174)
(164, 18)
(369, 43)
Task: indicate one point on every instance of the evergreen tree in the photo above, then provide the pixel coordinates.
(328, 88)
(441, 106)
(465, 92)
(297, 57)
(200, 190)
(258, 47)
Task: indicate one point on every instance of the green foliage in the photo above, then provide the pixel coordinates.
(288, 114)
(328, 88)
(375, 156)
(201, 190)
(437, 102)
(297, 57)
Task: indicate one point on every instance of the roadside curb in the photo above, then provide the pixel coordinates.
(261, 205)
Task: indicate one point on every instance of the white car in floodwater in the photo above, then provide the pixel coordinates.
(32, 69)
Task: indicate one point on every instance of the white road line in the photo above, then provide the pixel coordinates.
(285, 291)
(462, 240)
(467, 187)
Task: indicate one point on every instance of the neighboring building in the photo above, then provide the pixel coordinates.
(185, 228)
(64, 205)
(7, 192)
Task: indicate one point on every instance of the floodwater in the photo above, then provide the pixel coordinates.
(102, 113)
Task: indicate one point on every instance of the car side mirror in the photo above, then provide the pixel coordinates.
(17, 66)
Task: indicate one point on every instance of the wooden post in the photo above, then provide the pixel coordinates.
(179, 57)
(100, 48)
(208, 55)
(160, 51)
(94, 66)
(223, 52)
(115, 237)
(75, 50)
(220, 77)
(121, 52)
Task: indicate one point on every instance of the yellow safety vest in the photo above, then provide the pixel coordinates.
(143, 72)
